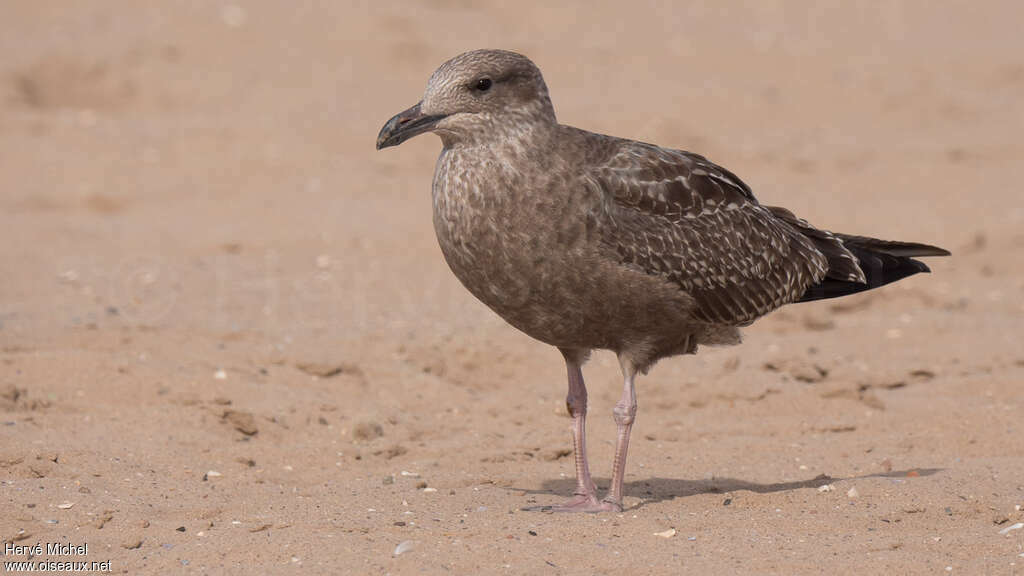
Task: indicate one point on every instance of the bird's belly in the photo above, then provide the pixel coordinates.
(569, 297)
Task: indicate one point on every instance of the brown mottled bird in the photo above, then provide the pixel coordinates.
(586, 241)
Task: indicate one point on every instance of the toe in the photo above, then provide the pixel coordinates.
(579, 503)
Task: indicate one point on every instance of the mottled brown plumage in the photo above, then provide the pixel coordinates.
(586, 241)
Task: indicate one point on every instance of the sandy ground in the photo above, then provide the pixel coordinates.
(229, 343)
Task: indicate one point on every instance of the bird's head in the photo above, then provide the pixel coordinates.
(476, 97)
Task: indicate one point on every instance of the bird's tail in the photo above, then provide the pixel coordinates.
(859, 263)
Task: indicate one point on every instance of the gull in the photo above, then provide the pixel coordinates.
(590, 242)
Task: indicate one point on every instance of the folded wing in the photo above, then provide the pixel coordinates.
(679, 216)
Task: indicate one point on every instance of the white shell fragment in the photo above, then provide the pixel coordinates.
(1009, 529)
(403, 547)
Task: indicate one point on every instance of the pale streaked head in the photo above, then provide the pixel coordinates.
(474, 97)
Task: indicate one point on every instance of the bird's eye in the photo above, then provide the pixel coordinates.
(483, 84)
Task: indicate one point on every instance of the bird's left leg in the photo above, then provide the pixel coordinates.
(624, 414)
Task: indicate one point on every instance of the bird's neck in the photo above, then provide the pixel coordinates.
(513, 133)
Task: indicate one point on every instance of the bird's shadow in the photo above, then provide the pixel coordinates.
(661, 489)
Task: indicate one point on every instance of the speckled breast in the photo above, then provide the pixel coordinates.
(517, 242)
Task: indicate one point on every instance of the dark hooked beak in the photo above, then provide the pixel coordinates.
(405, 125)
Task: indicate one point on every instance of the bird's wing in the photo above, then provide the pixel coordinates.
(678, 215)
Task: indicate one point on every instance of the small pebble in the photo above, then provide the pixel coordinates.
(65, 505)
(667, 533)
(220, 375)
(367, 430)
(242, 421)
(852, 492)
(410, 474)
(826, 488)
(429, 489)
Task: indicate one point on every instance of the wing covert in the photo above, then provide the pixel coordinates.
(677, 215)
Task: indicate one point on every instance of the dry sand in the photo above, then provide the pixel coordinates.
(229, 343)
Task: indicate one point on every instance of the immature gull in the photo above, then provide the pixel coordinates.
(586, 241)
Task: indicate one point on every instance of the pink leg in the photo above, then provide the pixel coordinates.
(585, 497)
(624, 414)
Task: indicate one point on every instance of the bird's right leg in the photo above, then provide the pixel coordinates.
(585, 497)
